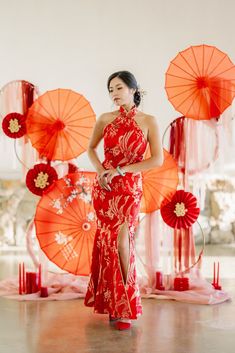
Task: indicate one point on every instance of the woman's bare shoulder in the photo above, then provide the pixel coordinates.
(107, 117)
(148, 118)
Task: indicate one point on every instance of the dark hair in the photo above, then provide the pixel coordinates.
(129, 79)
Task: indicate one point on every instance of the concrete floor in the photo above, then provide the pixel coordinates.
(165, 327)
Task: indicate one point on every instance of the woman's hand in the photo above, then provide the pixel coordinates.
(106, 177)
(102, 179)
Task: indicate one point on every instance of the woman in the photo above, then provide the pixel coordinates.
(116, 195)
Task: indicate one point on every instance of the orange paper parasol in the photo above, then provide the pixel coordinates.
(59, 124)
(159, 184)
(65, 223)
(200, 82)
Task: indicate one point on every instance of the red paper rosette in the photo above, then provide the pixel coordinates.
(72, 168)
(14, 125)
(181, 211)
(40, 178)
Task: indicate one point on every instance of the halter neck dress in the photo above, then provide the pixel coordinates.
(124, 144)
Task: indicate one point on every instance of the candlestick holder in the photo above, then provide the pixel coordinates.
(43, 292)
(29, 282)
(181, 284)
(159, 281)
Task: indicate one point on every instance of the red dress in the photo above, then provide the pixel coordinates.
(124, 144)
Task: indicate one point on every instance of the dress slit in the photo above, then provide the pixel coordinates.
(126, 224)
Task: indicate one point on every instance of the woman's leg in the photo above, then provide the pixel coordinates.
(124, 249)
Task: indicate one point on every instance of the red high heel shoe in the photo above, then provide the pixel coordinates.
(112, 318)
(123, 325)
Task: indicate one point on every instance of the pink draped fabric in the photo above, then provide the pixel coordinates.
(17, 96)
(164, 256)
(193, 155)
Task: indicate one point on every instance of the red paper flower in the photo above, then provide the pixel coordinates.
(72, 168)
(181, 211)
(14, 125)
(40, 178)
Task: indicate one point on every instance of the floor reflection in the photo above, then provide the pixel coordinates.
(67, 326)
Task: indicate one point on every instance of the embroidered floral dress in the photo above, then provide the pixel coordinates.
(124, 144)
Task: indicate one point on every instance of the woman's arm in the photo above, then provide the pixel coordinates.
(95, 139)
(157, 158)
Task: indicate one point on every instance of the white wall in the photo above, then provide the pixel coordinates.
(77, 44)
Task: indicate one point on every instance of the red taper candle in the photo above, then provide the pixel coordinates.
(158, 279)
(214, 275)
(39, 276)
(19, 277)
(217, 280)
(23, 277)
